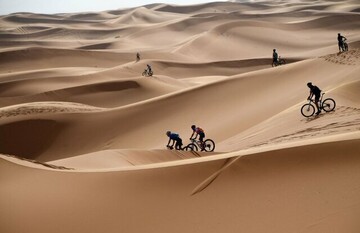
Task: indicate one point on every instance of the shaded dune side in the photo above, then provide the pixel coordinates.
(35, 58)
(13, 89)
(34, 132)
(46, 74)
(32, 137)
(105, 94)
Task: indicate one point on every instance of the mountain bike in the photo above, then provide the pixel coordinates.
(147, 73)
(279, 62)
(328, 105)
(345, 46)
(195, 145)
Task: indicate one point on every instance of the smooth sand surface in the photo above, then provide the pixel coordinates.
(82, 132)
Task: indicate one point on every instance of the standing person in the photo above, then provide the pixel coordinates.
(197, 131)
(315, 91)
(275, 57)
(137, 57)
(340, 39)
(175, 138)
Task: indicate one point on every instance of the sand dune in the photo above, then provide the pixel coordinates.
(294, 187)
(82, 132)
(143, 15)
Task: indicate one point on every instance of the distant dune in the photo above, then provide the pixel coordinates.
(82, 131)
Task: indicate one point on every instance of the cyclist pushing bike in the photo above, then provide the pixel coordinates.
(175, 139)
(197, 131)
(315, 91)
(277, 60)
(341, 43)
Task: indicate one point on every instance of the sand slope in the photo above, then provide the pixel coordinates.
(82, 132)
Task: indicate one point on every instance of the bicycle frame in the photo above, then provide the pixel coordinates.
(320, 100)
(196, 142)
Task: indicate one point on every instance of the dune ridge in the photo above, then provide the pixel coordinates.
(82, 131)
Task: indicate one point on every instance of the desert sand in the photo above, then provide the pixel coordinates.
(82, 132)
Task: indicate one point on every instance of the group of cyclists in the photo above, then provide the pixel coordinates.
(175, 139)
(276, 58)
(341, 43)
(148, 71)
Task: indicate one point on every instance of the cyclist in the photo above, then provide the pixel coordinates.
(275, 57)
(149, 68)
(197, 131)
(340, 39)
(137, 57)
(315, 91)
(175, 138)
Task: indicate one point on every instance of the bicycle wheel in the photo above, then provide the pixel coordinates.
(282, 62)
(307, 110)
(209, 145)
(328, 105)
(191, 147)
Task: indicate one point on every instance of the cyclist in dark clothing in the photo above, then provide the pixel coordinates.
(340, 39)
(315, 91)
(175, 140)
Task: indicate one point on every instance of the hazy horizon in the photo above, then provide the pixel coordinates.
(67, 6)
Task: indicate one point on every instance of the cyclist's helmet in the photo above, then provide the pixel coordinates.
(193, 127)
(168, 133)
(309, 84)
(274, 50)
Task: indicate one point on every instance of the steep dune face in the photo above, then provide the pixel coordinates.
(82, 131)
